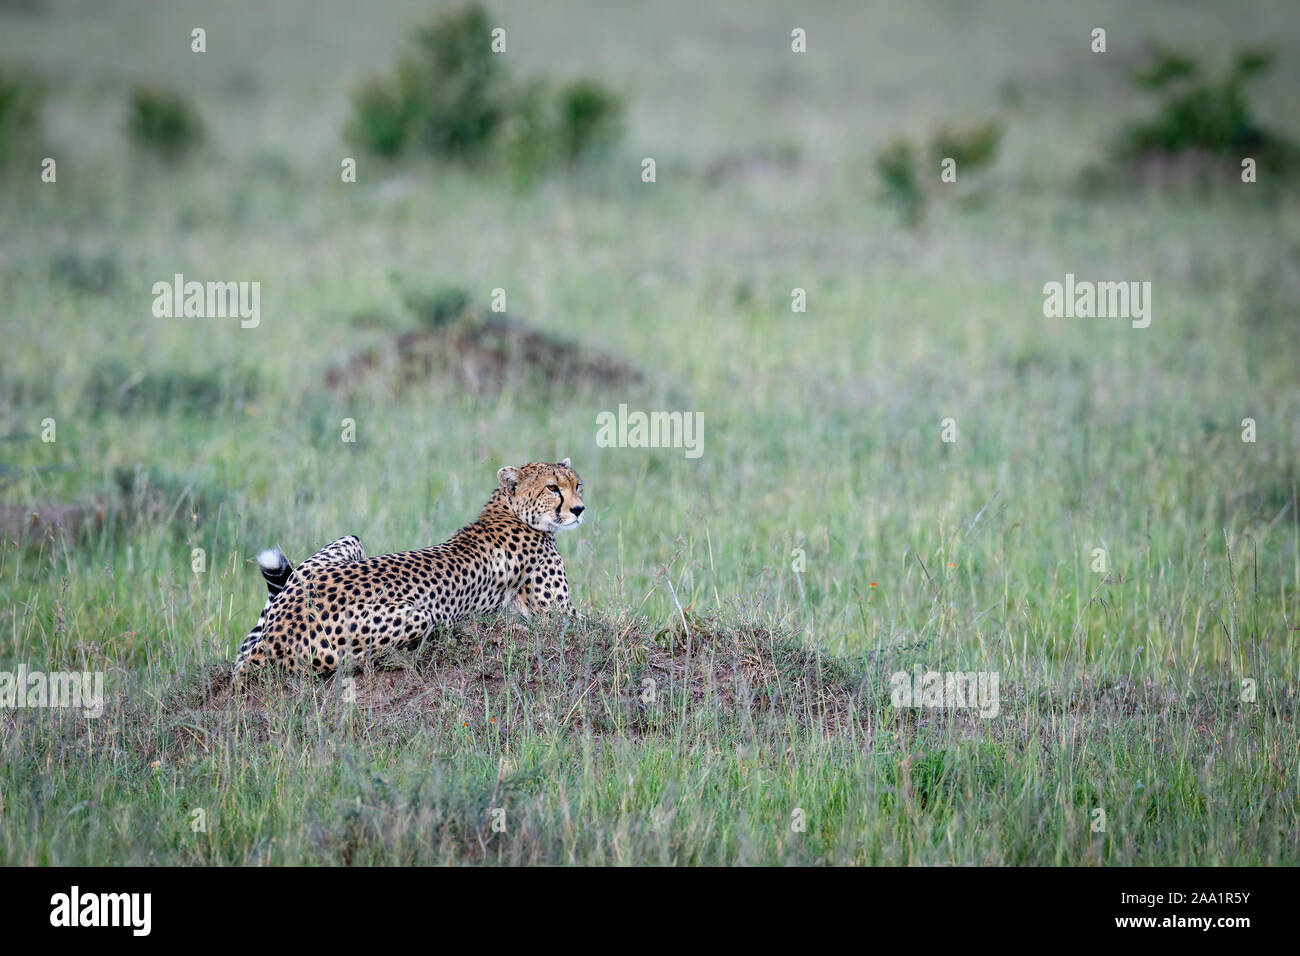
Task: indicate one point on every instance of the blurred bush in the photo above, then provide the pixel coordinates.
(163, 122)
(591, 119)
(438, 307)
(452, 97)
(972, 148)
(453, 88)
(896, 167)
(380, 120)
(549, 129)
(530, 137)
(1204, 116)
(21, 98)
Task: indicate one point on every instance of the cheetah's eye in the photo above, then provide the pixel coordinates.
(554, 488)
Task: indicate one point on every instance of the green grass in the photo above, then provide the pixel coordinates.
(1121, 691)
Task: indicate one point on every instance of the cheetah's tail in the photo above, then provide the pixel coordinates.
(276, 569)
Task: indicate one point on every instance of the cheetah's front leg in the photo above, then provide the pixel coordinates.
(544, 588)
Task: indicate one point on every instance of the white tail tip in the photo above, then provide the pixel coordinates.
(271, 559)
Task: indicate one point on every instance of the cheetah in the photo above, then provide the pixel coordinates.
(340, 608)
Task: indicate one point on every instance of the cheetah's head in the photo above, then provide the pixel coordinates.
(544, 496)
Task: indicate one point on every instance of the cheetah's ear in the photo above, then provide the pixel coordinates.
(508, 477)
(566, 464)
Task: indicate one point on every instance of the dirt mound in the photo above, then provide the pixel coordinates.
(141, 498)
(482, 353)
(19, 523)
(502, 675)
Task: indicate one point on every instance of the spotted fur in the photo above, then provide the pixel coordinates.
(339, 607)
(278, 572)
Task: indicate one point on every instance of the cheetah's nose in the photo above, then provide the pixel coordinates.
(577, 510)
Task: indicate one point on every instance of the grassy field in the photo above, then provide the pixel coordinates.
(827, 536)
